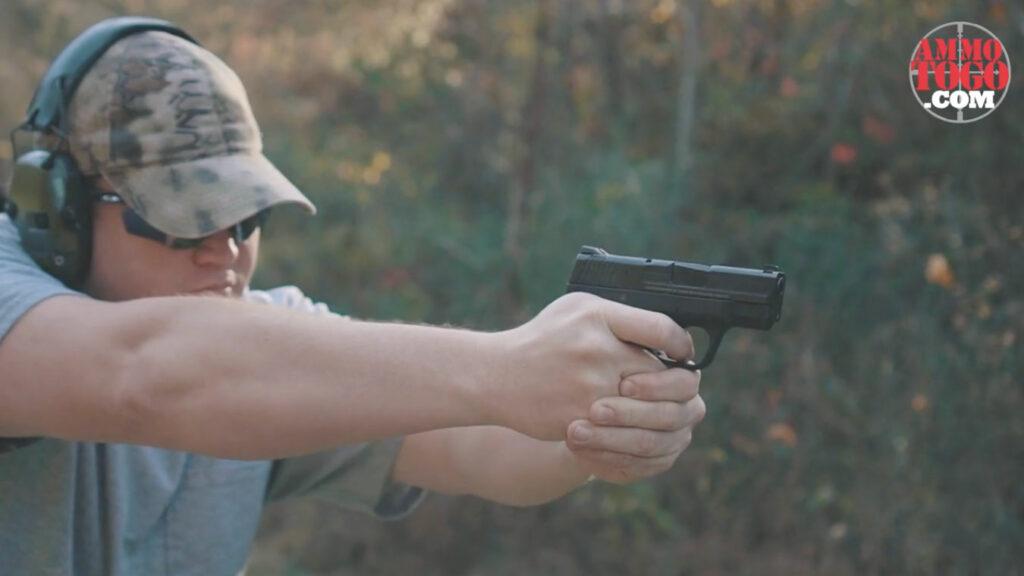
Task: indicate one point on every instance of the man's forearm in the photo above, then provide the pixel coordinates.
(309, 382)
(491, 462)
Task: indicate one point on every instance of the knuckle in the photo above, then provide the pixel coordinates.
(664, 328)
(647, 443)
(687, 438)
(700, 409)
(663, 465)
(625, 415)
(688, 341)
(683, 385)
(587, 347)
(585, 341)
(691, 385)
(579, 299)
(669, 415)
(606, 412)
(630, 387)
(618, 460)
(641, 386)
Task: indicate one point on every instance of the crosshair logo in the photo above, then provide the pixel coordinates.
(959, 72)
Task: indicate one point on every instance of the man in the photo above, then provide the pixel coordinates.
(146, 418)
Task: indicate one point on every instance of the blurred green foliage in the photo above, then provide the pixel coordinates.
(460, 151)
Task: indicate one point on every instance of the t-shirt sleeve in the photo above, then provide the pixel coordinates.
(356, 477)
(22, 285)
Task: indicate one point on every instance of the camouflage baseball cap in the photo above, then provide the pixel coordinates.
(170, 126)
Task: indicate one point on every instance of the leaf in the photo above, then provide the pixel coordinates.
(937, 271)
(782, 433)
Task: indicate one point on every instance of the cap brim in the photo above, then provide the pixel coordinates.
(200, 197)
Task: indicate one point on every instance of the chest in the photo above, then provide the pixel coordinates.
(73, 508)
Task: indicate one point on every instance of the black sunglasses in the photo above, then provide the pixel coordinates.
(135, 225)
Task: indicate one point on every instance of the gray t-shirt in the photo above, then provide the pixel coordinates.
(78, 508)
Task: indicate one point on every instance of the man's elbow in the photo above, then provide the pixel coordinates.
(142, 392)
(133, 408)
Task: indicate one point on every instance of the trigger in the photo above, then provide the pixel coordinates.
(670, 363)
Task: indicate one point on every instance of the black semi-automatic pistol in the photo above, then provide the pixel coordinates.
(714, 298)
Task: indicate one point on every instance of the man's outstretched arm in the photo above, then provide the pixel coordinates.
(242, 380)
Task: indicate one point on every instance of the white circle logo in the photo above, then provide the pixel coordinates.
(959, 72)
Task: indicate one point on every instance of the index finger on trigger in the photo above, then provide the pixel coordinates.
(650, 329)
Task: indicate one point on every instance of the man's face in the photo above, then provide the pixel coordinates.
(125, 266)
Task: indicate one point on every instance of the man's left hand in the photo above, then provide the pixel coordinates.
(641, 432)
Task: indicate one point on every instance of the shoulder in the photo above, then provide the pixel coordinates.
(10, 242)
(7, 230)
(13, 258)
(24, 283)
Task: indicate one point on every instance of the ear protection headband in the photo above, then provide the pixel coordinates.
(48, 199)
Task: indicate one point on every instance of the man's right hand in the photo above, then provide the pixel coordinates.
(575, 351)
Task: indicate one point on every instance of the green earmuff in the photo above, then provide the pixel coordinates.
(52, 213)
